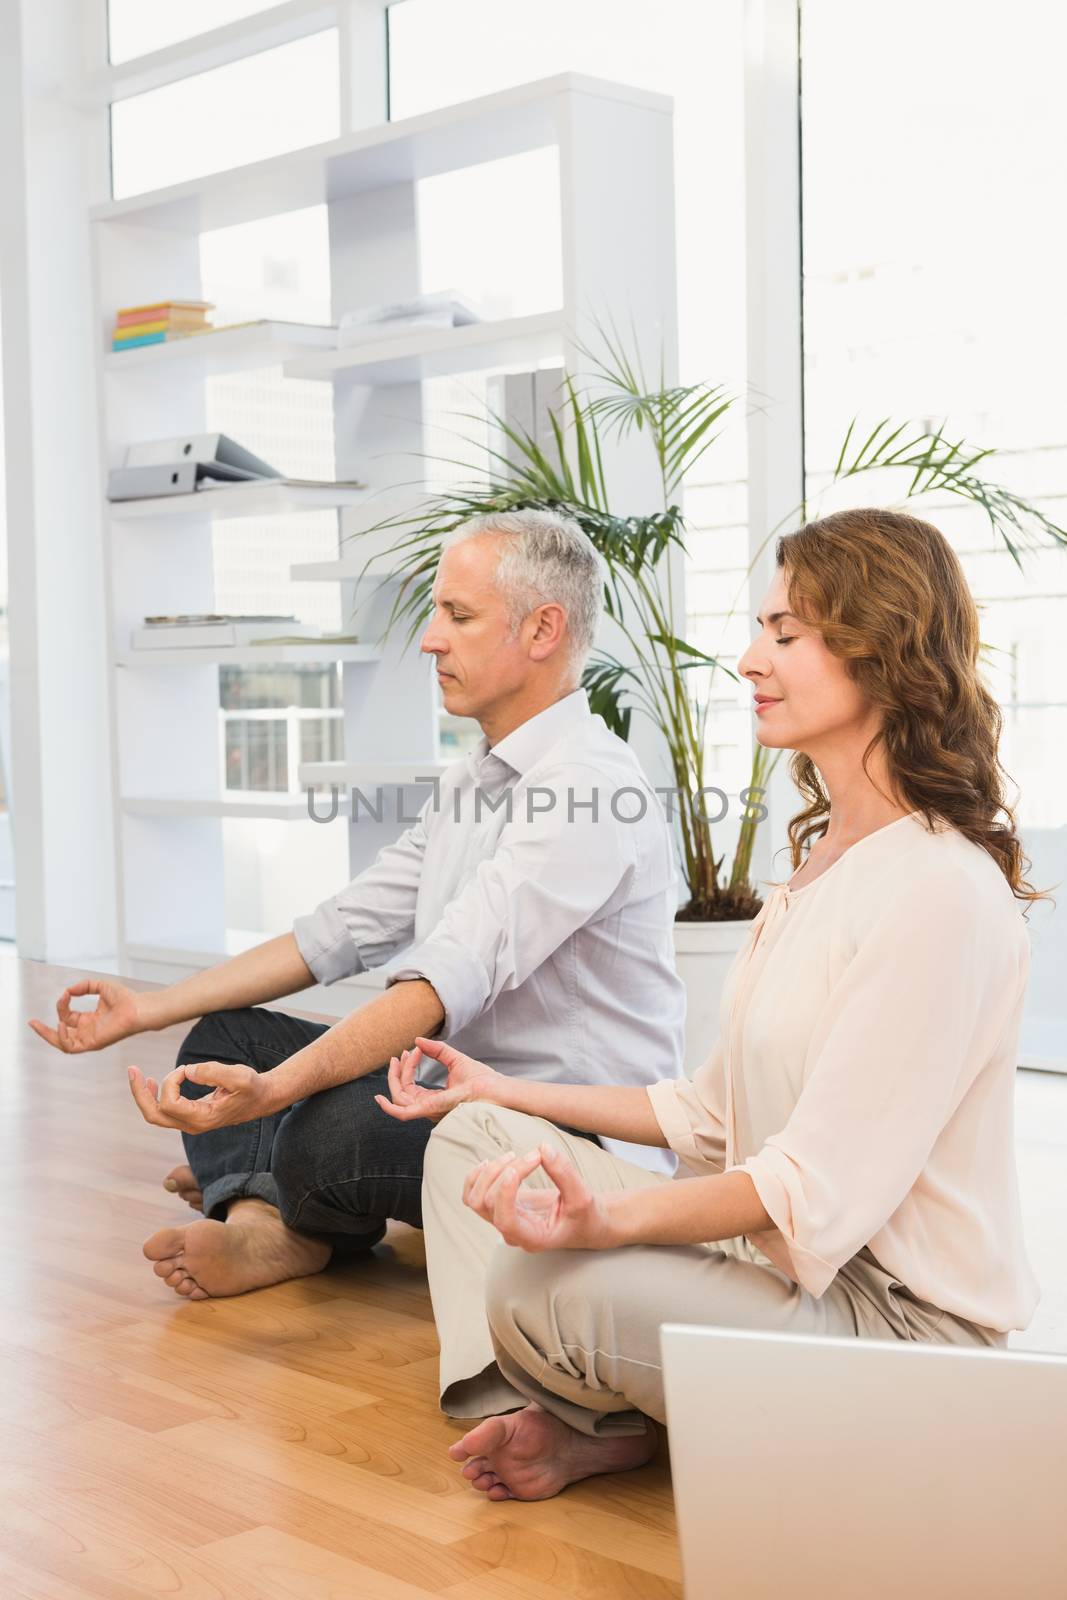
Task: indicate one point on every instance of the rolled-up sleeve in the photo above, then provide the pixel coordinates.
(551, 874)
(692, 1116)
(372, 918)
(918, 1011)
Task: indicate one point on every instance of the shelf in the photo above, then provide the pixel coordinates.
(248, 655)
(360, 774)
(439, 352)
(278, 807)
(238, 500)
(259, 344)
(491, 127)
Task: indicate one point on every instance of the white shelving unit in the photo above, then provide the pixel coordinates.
(614, 147)
(238, 500)
(257, 344)
(267, 806)
(440, 352)
(249, 655)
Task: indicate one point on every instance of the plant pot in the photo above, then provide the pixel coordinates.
(704, 952)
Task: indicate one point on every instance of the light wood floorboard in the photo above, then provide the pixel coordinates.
(284, 1445)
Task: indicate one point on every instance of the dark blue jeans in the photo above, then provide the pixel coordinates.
(334, 1164)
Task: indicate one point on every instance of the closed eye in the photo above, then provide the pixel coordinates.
(786, 639)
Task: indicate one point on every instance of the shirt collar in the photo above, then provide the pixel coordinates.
(524, 746)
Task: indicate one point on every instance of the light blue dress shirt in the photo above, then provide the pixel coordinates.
(536, 892)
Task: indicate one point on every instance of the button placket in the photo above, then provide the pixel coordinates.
(775, 908)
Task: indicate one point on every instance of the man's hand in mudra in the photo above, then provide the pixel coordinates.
(467, 1080)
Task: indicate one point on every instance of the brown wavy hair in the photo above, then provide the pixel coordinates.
(888, 596)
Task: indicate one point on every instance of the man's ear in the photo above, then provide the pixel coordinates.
(549, 628)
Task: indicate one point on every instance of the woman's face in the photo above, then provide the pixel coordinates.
(804, 698)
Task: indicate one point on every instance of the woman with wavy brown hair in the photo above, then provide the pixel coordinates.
(849, 1139)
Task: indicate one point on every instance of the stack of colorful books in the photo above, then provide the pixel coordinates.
(155, 324)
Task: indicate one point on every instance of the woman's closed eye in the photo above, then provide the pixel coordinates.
(786, 638)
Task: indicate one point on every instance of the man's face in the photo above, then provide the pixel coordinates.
(478, 660)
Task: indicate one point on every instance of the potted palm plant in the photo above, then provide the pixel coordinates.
(667, 678)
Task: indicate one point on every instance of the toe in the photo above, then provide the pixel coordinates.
(186, 1287)
(499, 1491)
(482, 1440)
(165, 1244)
(475, 1467)
(485, 1480)
(163, 1269)
(179, 1275)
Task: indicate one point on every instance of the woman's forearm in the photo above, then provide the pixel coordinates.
(695, 1211)
(617, 1113)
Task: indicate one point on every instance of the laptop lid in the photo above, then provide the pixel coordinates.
(810, 1468)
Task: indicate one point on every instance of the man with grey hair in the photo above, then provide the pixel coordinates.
(526, 916)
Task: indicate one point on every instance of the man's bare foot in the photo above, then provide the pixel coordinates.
(180, 1181)
(250, 1250)
(532, 1455)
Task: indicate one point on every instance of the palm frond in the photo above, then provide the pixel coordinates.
(939, 465)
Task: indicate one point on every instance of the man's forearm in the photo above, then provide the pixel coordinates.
(617, 1113)
(268, 972)
(696, 1211)
(359, 1044)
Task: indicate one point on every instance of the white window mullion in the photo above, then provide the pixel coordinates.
(775, 332)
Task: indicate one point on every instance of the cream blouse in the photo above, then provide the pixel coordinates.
(865, 1071)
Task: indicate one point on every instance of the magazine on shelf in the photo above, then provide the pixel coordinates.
(368, 324)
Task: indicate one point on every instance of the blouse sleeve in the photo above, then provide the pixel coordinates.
(692, 1114)
(906, 1031)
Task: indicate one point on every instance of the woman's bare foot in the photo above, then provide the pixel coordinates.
(250, 1250)
(180, 1181)
(532, 1455)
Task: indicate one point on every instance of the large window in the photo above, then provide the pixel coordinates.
(136, 27)
(508, 249)
(263, 105)
(933, 251)
(7, 854)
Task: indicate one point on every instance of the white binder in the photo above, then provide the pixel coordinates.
(224, 455)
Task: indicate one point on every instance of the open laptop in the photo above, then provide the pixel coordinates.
(860, 1469)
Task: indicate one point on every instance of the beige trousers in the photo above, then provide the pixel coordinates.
(578, 1330)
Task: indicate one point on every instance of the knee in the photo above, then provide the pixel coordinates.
(214, 1038)
(471, 1132)
(464, 1125)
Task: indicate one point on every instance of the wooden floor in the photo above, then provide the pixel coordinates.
(284, 1445)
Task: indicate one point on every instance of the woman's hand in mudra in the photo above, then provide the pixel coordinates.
(467, 1080)
(566, 1216)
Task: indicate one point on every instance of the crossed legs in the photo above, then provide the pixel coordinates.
(567, 1346)
(281, 1195)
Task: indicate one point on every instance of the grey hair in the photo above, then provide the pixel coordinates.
(545, 557)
